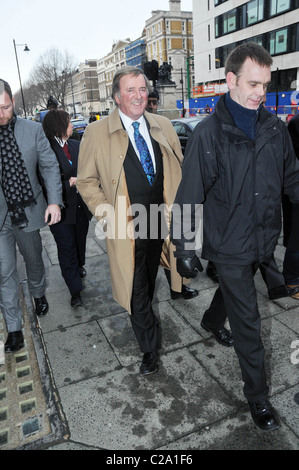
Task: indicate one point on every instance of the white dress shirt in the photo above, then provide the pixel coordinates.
(127, 122)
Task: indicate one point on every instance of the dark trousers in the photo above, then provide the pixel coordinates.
(271, 274)
(144, 322)
(71, 246)
(236, 299)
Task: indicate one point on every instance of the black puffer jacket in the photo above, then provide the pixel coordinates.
(240, 182)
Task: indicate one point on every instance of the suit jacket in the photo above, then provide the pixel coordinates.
(36, 152)
(71, 196)
(102, 183)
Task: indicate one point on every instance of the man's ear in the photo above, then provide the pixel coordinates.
(231, 80)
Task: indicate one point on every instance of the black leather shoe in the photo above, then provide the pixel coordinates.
(41, 306)
(149, 364)
(187, 293)
(76, 300)
(82, 271)
(211, 272)
(264, 415)
(14, 342)
(222, 334)
(282, 291)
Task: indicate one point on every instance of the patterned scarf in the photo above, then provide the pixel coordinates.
(15, 181)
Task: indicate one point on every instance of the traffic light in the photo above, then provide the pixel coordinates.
(151, 70)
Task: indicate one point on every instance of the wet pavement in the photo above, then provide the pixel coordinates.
(89, 370)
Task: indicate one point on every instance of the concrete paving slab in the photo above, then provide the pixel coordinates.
(281, 372)
(175, 333)
(236, 433)
(78, 353)
(194, 402)
(126, 411)
(287, 405)
(290, 319)
(223, 365)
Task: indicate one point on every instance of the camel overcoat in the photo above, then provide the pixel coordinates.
(102, 184)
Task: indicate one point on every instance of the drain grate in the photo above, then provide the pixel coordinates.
(25, 417)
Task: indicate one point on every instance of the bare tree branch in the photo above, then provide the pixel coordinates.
(51, 76)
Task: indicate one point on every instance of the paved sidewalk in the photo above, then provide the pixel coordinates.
(194, 402)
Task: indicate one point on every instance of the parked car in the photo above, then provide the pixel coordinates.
(40, 115)
(184, 128)
(79, 125)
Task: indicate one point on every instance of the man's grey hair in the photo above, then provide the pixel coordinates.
(128, 70)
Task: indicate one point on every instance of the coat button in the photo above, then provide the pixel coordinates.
(113, 181)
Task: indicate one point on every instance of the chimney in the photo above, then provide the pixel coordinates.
(175, 5)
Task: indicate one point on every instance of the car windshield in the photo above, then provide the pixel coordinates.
(193, 124)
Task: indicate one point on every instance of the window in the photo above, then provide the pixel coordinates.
(230, 21)
(279, 41)
(218, 2)
(255, 11)
(278, 6)
(217, 31)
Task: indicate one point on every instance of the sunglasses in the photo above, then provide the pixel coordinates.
(154, 102)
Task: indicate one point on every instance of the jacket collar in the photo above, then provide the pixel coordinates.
(156, 132)
(265, 117)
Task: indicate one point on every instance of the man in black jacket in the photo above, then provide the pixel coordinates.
(237, 163)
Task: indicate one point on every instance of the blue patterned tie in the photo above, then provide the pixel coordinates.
(145, 156)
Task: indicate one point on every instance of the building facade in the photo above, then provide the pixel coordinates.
(166, 37)
(83, 93)
(169, 38)
(136, 53)
(220, 25)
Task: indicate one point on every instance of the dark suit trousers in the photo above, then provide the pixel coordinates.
(144, 322)
(236, 298)
(71, 246)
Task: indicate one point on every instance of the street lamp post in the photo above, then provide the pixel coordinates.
(26, 49)
(182, 82)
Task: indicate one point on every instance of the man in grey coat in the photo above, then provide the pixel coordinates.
(23, 211)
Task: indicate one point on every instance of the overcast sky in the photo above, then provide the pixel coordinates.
(85, 28)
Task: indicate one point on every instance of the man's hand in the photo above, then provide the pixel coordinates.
(52, 214)
(73, 181)
(188, 267)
